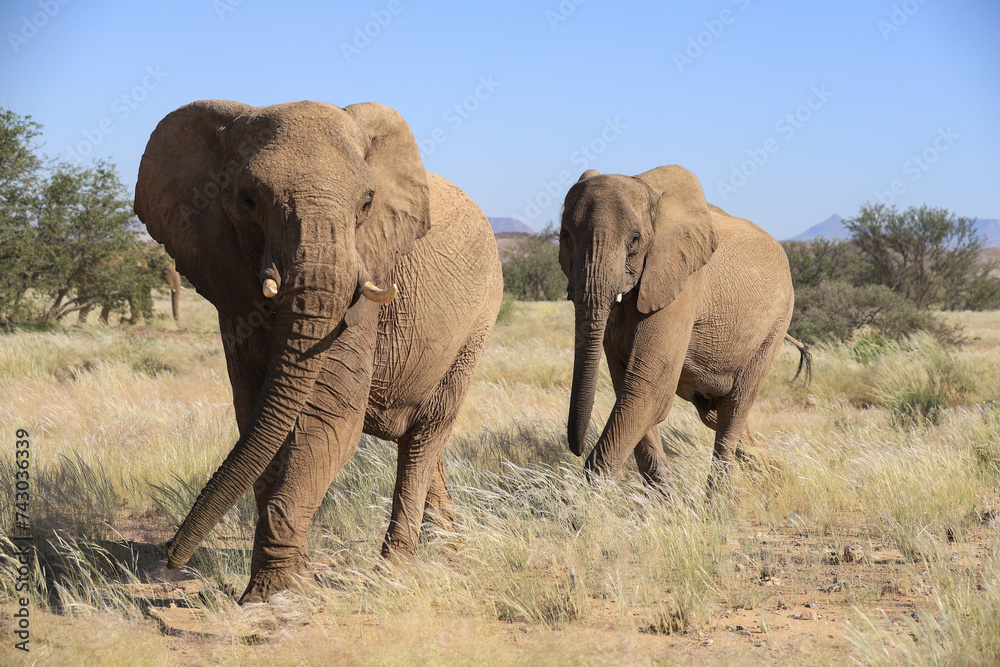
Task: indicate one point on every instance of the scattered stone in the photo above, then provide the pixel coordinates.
(782, 606)
(762, 643)
(809, 615)
(854, 554)
(744, 633)
(811, 605)
(708, 642)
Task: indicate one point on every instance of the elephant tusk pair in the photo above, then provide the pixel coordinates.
(369, 290)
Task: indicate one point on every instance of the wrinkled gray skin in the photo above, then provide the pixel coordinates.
(320, 200)
(706, 301)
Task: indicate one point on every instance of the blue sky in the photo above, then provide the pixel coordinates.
(787, 112)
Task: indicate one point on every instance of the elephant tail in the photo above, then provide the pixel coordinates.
(805, 362)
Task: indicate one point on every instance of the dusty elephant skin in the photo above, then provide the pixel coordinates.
(286, 218)
(684, 298)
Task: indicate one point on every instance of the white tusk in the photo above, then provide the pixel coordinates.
(270, 288)
(373, 293)
(618, 298)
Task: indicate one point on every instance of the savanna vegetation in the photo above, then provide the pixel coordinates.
(68, 238)
(866, 532)
(869, 534)
(892, 276)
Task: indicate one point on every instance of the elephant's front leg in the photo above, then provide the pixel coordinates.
(649, 452)
(645, 394)
(325, 437)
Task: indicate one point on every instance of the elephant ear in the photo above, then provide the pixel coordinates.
(683, 235)
(177, 196)
(400, 211)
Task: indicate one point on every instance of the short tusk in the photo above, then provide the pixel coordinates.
(270, 288)
(618, 298)
(373, 293)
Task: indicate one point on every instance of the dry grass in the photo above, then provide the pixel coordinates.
(891, 457)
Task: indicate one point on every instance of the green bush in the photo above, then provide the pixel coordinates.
(835, 311)
(534, 274)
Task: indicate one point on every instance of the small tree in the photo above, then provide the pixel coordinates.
(812, 262)
(20, 184)
(534, 274)
(68, 237)
(924, 253)
(89, 234)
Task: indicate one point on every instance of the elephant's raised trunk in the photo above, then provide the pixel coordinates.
(306, 324)
(590, 324)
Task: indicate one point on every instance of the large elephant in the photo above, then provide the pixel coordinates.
(285, 218)
(686, 300)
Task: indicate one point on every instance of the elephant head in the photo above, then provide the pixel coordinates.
(626, 237)
(296, 207)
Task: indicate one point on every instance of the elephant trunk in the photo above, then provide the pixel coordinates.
(591, 321)
(305, 325)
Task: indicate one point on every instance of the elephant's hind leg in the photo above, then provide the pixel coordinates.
(747, 452)
(420, 477)
(732, 411)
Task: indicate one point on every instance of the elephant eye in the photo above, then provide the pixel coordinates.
(249, 202)
(366, 205)
(633, 243)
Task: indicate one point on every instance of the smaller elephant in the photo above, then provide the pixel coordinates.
(685, 299)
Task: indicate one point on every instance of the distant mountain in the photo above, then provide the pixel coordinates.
(991, 230)
(501, 225)
(833, 229)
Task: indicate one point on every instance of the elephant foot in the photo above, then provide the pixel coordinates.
(268, 581)
(398, 552)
